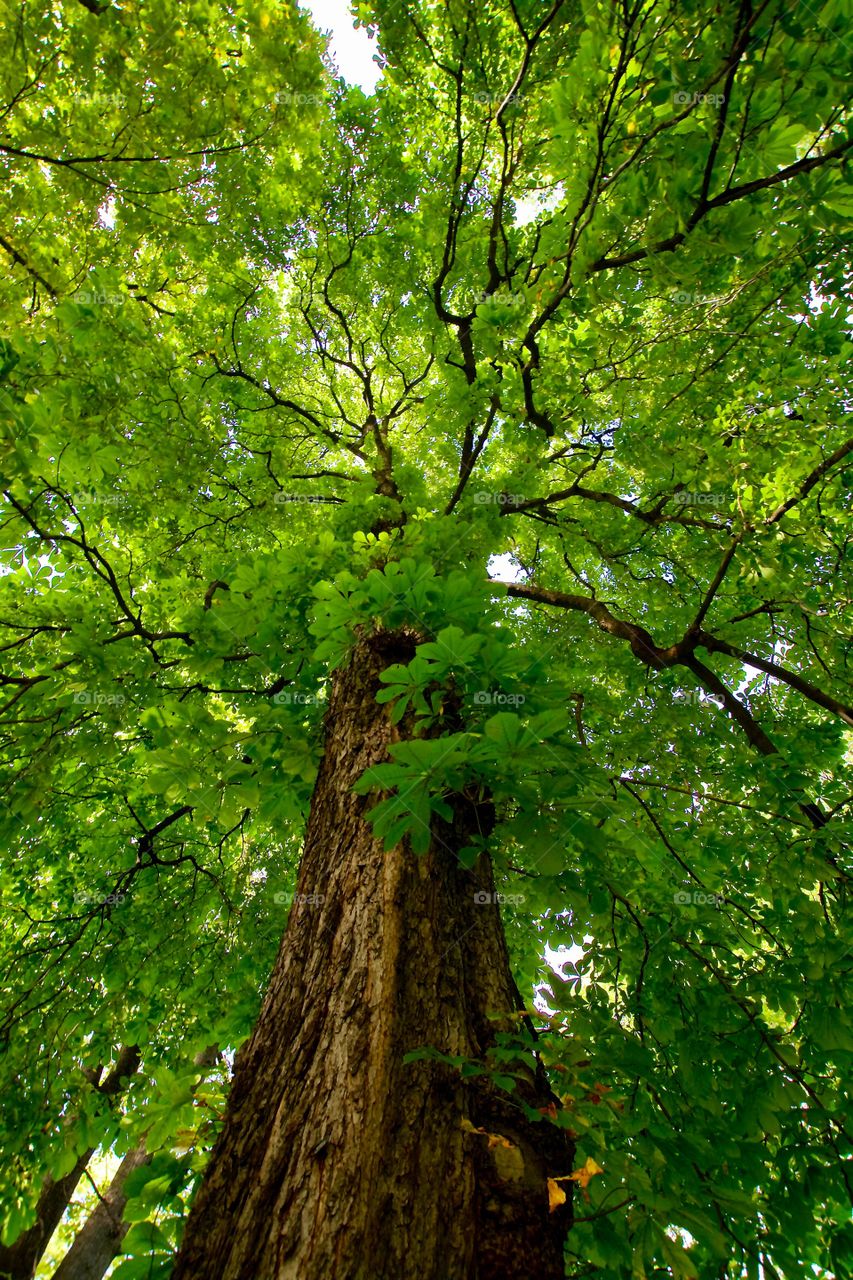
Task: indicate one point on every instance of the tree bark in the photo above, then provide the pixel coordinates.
(18, 1261)
(336, 1158)
(99, 1240)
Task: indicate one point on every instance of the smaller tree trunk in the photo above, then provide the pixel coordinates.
(99, 1240)
(18, 1261)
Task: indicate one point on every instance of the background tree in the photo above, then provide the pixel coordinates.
(98, 1242)
(566, 292)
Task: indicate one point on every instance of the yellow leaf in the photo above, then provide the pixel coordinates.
(493, 1139)
(587, 1170)
(556, 1195)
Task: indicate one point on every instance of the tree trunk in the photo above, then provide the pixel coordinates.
(18, 1261)
(99, 1240)
(336, 1159)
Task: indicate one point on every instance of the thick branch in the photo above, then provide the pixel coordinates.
(729, 196)
(811, 480)
(642, 644)
(99, 1240)
(753, 730)
(810, 691)
(682, 654)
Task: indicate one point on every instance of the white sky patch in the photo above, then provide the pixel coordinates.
(351, 49)
(562, 961)
(107, 214)
(816, 302)
(506, 568)
(529, 208)
(684, 1238)
(564, 955)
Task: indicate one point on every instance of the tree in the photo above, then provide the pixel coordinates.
(97, 1243)
(19, 1260)
(467, 511)
(100, 1238)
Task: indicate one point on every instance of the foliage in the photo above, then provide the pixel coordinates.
(538, 354)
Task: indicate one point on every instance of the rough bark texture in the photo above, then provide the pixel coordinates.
(337, 1160)
(99, 1240)
(18, 1261)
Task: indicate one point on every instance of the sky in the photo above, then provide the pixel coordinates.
(353, 53)
(352, 50)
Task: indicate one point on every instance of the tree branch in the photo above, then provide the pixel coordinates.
(810, 691)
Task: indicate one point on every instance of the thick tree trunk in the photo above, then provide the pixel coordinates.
(336, 1158)
(18, 1261)
(99, 1240)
